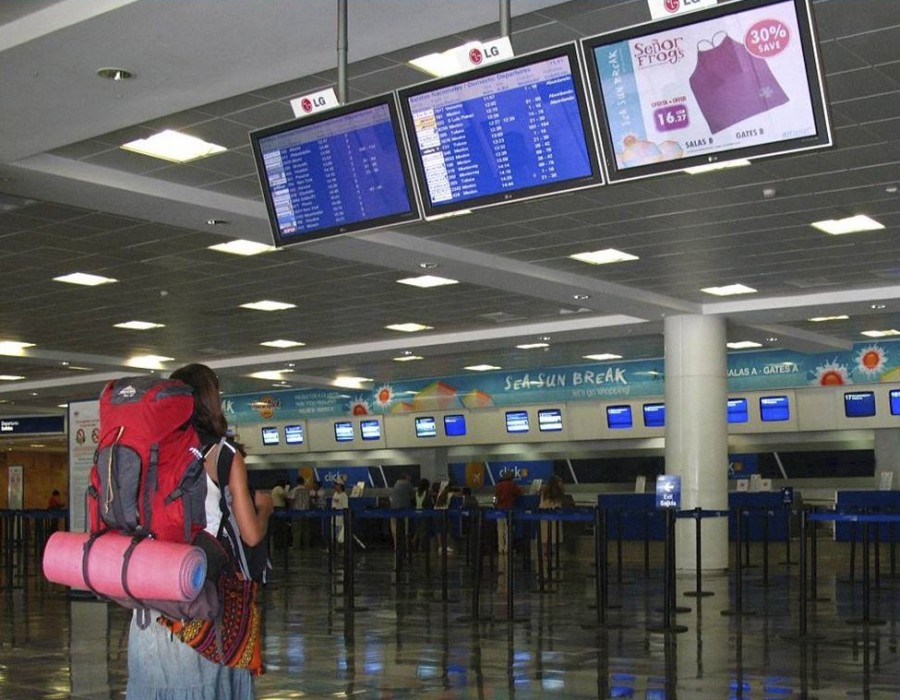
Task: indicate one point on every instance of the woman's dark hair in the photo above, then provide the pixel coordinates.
(554, 488)
(209, 419)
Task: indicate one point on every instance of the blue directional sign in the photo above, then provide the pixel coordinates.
(668, 491)
(787, 495)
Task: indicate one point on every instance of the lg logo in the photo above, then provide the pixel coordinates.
(477, 55)
(308, 105)
(672, 5)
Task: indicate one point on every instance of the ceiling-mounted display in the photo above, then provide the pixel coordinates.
(739, 80)
(511, 130)
(336, 171)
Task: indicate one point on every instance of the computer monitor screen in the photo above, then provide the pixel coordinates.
(859, 404)
(894, 399)
(734, 81)
(737, 411)
(425, 426)
(454, 425)
(619, 417)
(654, 415)
(774, 408)
(293, 434)
(550, 420)
(370, 429)
(343, 431)
(517, 421)
(510, 130)
(269, 435)
(337, 171)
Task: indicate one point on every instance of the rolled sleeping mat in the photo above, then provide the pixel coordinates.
(155, 570)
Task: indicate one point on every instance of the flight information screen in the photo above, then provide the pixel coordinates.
(342, 172)
(518, 130)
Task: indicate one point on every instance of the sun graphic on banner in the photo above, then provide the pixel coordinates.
(831, 374)
(871, 359)
(384, 396)
(360, 407)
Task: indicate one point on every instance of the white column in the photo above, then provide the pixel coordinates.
(887, 454)
(697, 433)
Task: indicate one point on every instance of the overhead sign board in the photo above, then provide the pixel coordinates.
(32, 425)
(314, 102)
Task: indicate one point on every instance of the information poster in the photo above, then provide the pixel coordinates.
(16, 488)
(726, 83)
(84, 435)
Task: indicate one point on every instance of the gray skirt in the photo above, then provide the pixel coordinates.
(162, 668)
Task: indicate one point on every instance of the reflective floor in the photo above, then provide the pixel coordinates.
(407, 634)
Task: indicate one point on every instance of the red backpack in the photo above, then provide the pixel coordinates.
(147, 479)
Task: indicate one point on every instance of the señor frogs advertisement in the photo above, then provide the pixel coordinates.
(729, 82)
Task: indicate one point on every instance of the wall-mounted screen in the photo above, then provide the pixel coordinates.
(619, 417)
(654, 415)
(513, 129)
(425, 427)
(293, 434)
(454, 425)
(343, 431)
(859, 404)
(894, 399)
(517, 421)
(774, 408)
(270, 435)
(370, 429)
(737, 411)
(337, 171)
(737, 80)
(550, 420)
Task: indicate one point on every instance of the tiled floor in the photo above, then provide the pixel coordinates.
(403, 638)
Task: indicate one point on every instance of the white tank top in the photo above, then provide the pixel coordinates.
(213, 514)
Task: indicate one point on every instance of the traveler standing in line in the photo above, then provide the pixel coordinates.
(402, 494)
(505, 494)
(160, 666)
(279, 525)
(299, 499)
(552, 494)
(339, 501)
(423, 501)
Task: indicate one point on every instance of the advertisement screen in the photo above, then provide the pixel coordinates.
(738, 80)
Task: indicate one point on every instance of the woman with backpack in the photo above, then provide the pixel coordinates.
(160, 665)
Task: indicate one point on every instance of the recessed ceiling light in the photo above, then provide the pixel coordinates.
(881, 334)
(149, 361)
(241, 247)
(482, 368)
(743, 345)
(603, 257)
(267, 305)
(409, 327)
(850, 224)
(710, 167)
(85, 279)
(280, 343)
(271, 375)
(581, 297)
(139, 325)
(351, 382)
(438, 64)
(426, 281)
(877, 307)
(408, 358)
(173, 146)
(532, 346)
(729, 290)
(11, 377)
(14, 348)
(821, 319)
(603, 356)
(116, 74)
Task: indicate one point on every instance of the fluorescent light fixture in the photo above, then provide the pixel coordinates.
(710, 167)
(271, 375)
(240, 246)
(743, 345)
(890, 332)
(821, 319)
(426, 281)
(603, 257)
(84, 279)
(729, 290)
(139, 325)
(267, 305)
(148, 361)
(603, 356)
(173, 146)
(532, 346)
(14, 348)
(408, 358)
(351, 382)
(11, 377)
(850, 224)
(482, 368)
(409, 327)
(280, 343)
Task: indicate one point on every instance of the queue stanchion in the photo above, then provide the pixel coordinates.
(541, 558)
(802, 634)
(620, 527)
(647, 518)
(893, 550)
(766, 515)
(698, 550)
(738, 609)
(813, 550)
(866, 618)
(668, 625)
(601, 571)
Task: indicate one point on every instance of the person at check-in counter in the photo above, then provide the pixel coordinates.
(505, 494)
